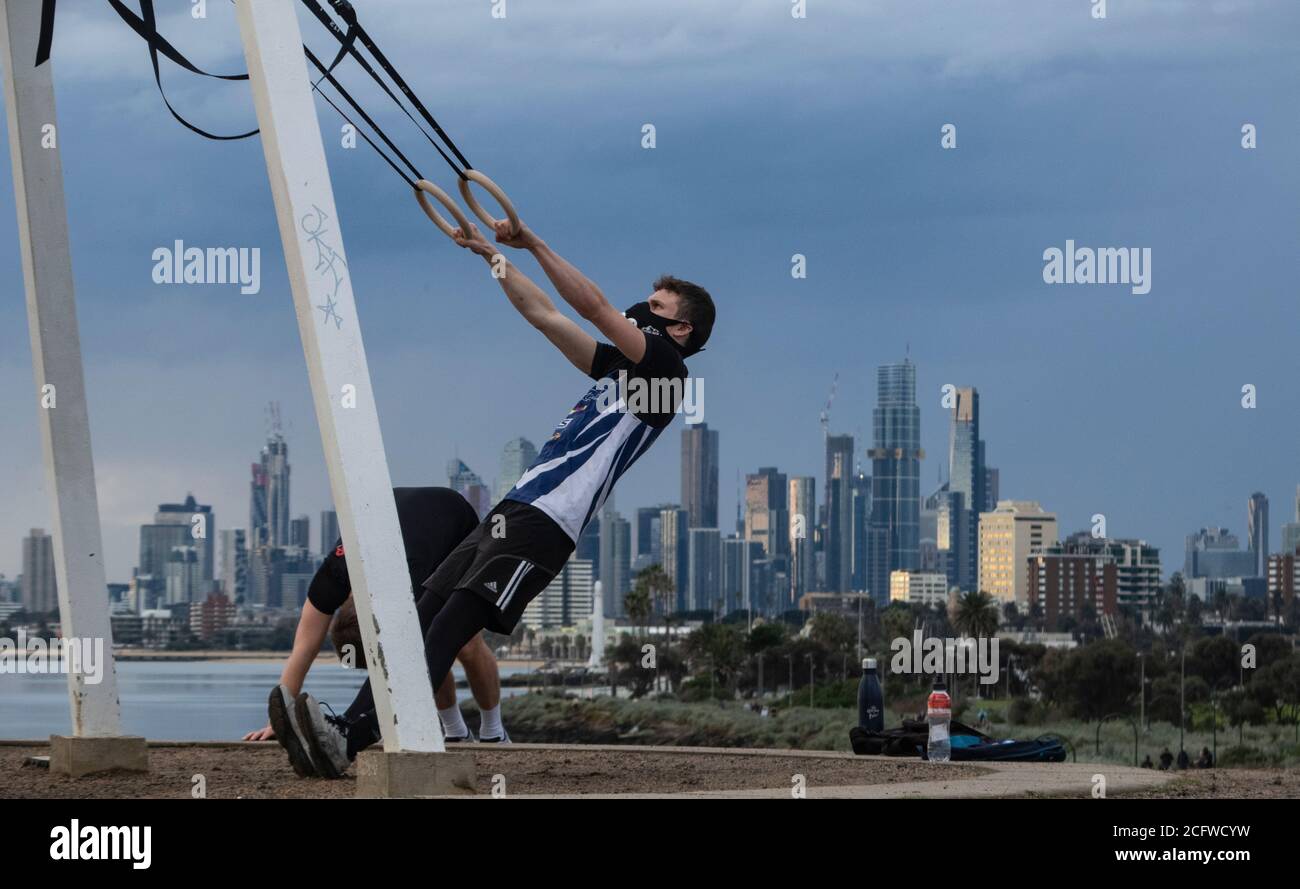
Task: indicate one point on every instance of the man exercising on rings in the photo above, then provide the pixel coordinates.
(525, 540)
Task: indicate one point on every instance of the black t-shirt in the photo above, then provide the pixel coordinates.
(661, 376)
(433, 521)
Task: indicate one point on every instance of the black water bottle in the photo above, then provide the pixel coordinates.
(871, 700)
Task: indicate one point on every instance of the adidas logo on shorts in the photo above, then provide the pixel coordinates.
(491, 585)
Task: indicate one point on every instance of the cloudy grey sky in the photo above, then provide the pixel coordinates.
(776, 136)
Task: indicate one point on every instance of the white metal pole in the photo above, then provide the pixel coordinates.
(57, 365)
(340, 376)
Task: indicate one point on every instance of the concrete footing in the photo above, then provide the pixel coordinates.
(403, 775)
(79, 756)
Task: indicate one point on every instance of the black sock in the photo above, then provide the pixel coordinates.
(455, 622)
(362, 732)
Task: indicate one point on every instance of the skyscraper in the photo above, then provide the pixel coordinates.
(1215, 553)
(838, 542)
(516, 457)
(992, 489)
(947, 508)
(566, 600)
(1291, 530)
(705, 580)
(1257, 531)
(274, 460)
(258, 531)
(895, 531)
(39, 589)
(184, 515)
(300, 532)
(329, 530)
(700, 475)
(767, 512)
(268, 519)
(649, 540)
(803, 562)
(588, 547)
(1009, 535)
(861, 515)
(234, 564)
(675, 546)
(615, 560)
(468, 484)
(966, 477)
(738, 557)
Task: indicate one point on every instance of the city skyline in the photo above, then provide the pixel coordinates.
(276, 447)
(1092, 400)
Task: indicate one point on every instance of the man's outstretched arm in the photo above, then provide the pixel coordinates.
(532, 302)
(578, 291)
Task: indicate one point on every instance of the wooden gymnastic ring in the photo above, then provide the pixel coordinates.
(425, 186)
(496, 192)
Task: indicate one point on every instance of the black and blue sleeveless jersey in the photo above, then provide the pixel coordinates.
(601, 437)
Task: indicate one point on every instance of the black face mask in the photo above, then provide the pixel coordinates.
(653, 324)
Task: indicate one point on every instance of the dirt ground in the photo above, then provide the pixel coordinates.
(1228, 784)
(261, 771)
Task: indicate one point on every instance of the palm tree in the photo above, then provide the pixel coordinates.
(975, 614)
(653, 581)
(638, 605)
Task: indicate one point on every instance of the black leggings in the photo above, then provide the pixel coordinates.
(447, 626)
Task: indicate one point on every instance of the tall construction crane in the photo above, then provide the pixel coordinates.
(826, 411)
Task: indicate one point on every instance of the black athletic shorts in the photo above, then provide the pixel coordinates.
(508, 559)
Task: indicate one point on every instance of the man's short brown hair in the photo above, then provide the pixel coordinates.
(696, 304)
(346, 630)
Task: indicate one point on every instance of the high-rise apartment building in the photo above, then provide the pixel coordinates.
(704, 590)
(39, 589)
(1009, 535)
(517, 455)
(700, 475)
(1257, 531)
(767, 512)
(894, 536)
(468, 484)
(802, 498)
(329, 530)
(268, 517)
(966, 477)
(675, 546)
(837, 544)
(615, 559)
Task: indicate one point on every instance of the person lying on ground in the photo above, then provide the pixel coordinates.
(433, 521)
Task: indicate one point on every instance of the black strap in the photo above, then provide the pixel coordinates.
(145, 25)
(347, 97)
(369, 44)
(147, 28)
(47, 32)
(347, 39)
(379, 151)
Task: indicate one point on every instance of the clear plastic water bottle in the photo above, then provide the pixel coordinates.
(938, 714)
(871, 700)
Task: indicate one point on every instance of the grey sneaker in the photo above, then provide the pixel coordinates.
(460, 739)
(504, 739)
(328, 745)
(280, 709)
